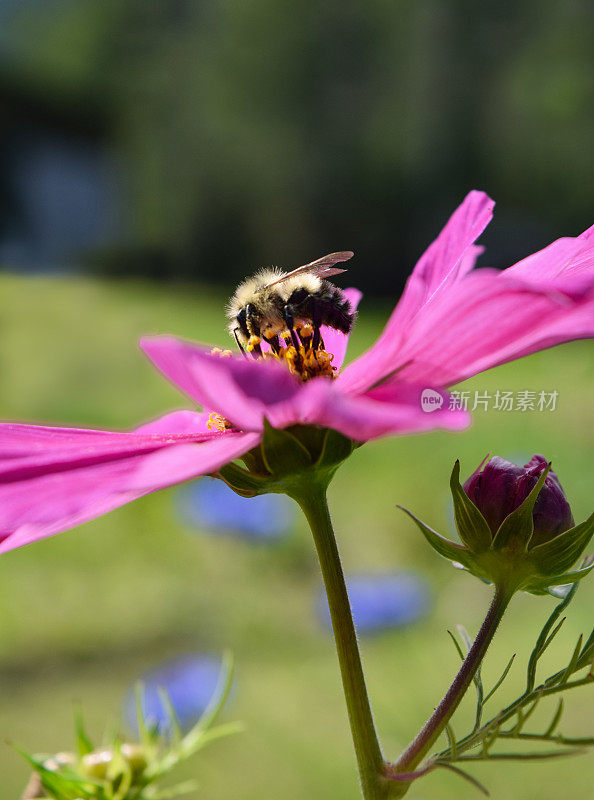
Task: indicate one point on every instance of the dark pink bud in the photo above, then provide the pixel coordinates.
(499, 487)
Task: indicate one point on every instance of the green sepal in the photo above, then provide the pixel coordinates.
(470, 523)
(288, 459)
(283, 453)
(445, 547)
(542, 584)
(245, 483)
(517, 528)
(560, 553)
(335, 449)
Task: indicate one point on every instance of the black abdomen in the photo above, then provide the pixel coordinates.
(328, 306)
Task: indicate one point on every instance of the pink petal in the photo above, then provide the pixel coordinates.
(179, 422)
(576, 323)
(51, 492)
(447, 259)
(444, 263)
(21, 441)
(486, 321)
(18, 440)
(391, 410)
(239, 389)
(567, 257)
(440, 262)
(335, 341)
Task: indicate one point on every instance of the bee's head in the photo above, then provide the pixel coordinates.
(241, 320)
(245, 322)
(250, 320)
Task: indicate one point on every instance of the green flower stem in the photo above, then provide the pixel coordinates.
(420, 746)
(313, 502)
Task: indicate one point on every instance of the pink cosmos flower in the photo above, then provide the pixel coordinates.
(450, 323)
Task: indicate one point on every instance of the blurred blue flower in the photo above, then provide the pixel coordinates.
(191, 682)
(381, 601)
(212, 506)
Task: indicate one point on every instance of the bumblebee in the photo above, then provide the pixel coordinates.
(274, 302)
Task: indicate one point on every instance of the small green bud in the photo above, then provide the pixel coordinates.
(135, 757)
(59, 761)
(94, 765)
(515, 526)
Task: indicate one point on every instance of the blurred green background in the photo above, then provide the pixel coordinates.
(151, 154)
(84, 613)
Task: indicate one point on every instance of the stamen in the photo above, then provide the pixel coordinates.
(300, 357)
(301, 350)
(305, 332)
(215, 421)
(218, 423)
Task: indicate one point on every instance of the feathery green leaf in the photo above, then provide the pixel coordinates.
(465, 775)
(501, 679)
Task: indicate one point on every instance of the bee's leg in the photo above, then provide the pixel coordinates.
(290, 323)
(316, 319)
(274, 344)
(239, 343)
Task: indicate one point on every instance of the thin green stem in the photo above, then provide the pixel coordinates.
(367, 749)
(421, 744)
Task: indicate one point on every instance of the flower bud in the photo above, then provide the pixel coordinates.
(499, 487)
(515, 527)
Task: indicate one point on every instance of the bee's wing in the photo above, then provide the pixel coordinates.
(323, 267)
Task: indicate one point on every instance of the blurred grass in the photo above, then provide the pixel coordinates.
(84, 613)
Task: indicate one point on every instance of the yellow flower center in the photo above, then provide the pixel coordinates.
(297, 353)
